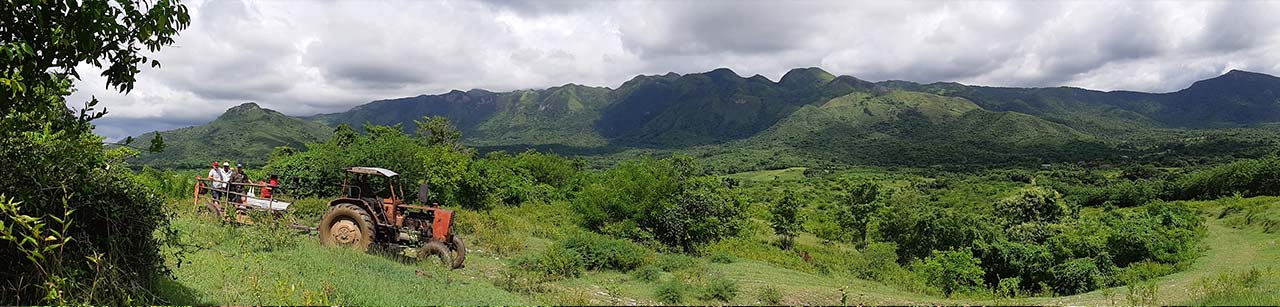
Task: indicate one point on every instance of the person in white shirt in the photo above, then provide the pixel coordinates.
(220, 179)
(214, 177)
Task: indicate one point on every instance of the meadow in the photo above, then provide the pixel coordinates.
(541, 252)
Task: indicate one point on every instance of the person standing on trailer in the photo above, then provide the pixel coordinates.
(224, 177)
(238, 179)
(215, 177)
(271, 184)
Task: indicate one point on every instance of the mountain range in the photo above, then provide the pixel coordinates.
(808, 117)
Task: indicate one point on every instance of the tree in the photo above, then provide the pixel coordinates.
(55, 165)
(661, 201)
(784, 218)
(951, 271)
(437, 130)
(157, 143)
(1033, 204)
(857, 206)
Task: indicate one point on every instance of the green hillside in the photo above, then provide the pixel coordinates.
(246, 133)
(913, 128)
(810, 117)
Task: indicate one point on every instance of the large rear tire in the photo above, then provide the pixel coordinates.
(346, 225)
(434, 248)
(459, 252)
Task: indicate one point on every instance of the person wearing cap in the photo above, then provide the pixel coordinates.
(224, 177)
(213, 175)
(238, 179)
(218, 178)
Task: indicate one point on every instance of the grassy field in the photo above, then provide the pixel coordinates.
(259, 264)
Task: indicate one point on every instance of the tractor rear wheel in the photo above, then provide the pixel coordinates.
(346, 225)
(459, 252)
(434, 248)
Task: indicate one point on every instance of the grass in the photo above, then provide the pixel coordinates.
(232, 265)
(218, 270)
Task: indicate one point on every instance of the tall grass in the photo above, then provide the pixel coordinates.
(1237, 288)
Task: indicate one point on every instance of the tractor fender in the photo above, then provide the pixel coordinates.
(377, 218)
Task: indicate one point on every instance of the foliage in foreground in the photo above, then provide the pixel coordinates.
(76, 228)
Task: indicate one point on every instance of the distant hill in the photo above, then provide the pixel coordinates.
(1235, 99)
(809, 115)
(246, 134)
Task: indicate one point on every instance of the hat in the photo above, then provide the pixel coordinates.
(215, 163)
(238, 165)
(226, 164)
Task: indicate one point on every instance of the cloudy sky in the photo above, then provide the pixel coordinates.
(306, 57)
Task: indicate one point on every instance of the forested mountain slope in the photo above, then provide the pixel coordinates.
(808, 112)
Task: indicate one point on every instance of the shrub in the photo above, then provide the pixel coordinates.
(1076, 276)
(1033, 204)
(554, 263)
(1009, 287)
(918, 229)
(720, 288)
(951, 271)
(1247, 177)
(721, 257)
(877, 259)
(1142, 271)
(671, 292)
(770, 295)
(666, 201)
(647, 273)
(598, 252)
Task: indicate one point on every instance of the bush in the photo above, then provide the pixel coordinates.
(877, 259)
(1142, 271)
(664, 201)
(1247, 177)
(647, 273)
(598, 252)
(1009, 287)
(671, 292)
(721, 257)
(1033, 204)
(951, 271)
(720, 288)
(917, 228)
(554, 263)
(770, 295)
(1076, 276)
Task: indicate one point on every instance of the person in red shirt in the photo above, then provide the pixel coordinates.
(270, 185)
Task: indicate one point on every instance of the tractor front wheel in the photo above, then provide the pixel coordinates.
(459, 252)
(346, 225)
(434, 248)
(451, 255)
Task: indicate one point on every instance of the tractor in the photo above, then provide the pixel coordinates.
(372, 211)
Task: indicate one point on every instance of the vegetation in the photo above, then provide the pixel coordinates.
(75, 226)
(944, 210)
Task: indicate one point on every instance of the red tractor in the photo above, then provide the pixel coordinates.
(372, 212)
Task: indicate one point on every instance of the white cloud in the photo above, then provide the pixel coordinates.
(303, 58)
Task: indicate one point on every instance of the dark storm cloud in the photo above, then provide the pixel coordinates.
(302, 58)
